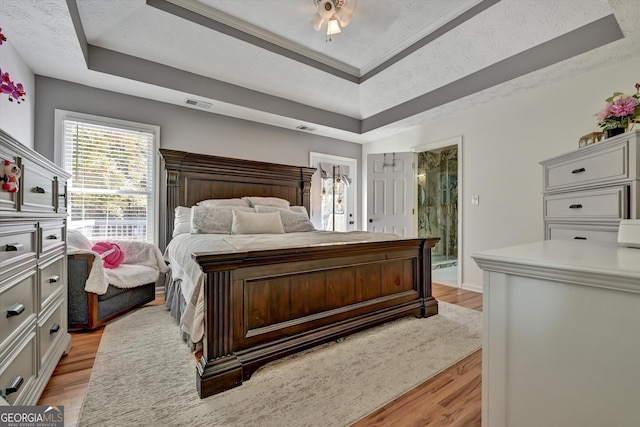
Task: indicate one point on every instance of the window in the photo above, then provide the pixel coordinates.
(333, 192)
(111, 194)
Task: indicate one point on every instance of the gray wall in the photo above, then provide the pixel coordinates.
(183, 128)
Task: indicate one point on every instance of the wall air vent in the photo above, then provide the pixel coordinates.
(198, 104)
(306, 128)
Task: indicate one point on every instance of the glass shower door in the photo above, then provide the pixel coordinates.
(438, 202)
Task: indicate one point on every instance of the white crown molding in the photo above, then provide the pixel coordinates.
(418, 36)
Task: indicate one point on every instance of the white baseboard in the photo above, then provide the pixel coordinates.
(472, 287)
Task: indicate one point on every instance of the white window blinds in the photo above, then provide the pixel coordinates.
(111, 188)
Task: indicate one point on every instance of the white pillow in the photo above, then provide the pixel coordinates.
(291, 221)
(78, 240)
(214, 219)
(224, 202)
(268, 201)
(256, 223)
(182, 220)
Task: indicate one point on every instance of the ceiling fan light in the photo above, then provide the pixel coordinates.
(333, 27)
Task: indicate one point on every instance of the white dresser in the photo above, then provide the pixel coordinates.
(33, 274)
(588, 191)
(561, 335)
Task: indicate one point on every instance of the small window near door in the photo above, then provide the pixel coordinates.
(333, 192)
(335, 181)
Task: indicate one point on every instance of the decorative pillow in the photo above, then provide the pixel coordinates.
(299, 209)
(268, 201)
(78, 240)
(224, 202)
(214, 219)
(256, 223)
(291, 221)
(182, 221)
(111, 254)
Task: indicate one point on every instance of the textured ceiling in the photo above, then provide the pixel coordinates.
(398, 63)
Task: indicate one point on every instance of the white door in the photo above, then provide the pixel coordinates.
(390, 193)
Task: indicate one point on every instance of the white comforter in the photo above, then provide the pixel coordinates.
(183, 268)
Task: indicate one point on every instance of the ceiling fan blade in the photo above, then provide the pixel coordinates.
(344, 17)
(316, 20)
(345, 13)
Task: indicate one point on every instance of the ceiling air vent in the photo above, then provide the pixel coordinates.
(307, 128)
(198, 104)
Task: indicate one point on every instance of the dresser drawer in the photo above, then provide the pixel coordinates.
(601, 204)
(590, 232)
(17, 244)
(590, 167)
(51, 279)
(38, 188)
(19, 369)
(51, 236)
(50, 329)
(16, 303)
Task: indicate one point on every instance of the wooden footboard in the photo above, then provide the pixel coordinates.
(264, 305)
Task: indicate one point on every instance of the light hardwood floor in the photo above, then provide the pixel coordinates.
(452, 398)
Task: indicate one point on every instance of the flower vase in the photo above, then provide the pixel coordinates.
(613, 132)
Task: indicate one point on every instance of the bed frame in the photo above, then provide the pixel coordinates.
(263, 305)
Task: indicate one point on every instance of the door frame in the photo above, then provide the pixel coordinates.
(457, 141)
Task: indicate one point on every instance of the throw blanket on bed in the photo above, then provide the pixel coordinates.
(142, 264)
(186, 270)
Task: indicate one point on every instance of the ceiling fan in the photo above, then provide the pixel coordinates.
(337, 14)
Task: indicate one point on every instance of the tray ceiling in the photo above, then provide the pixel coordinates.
(397, 64)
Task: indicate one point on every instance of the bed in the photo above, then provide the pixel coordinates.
(260, 303)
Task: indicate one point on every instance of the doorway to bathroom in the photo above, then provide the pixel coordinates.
(438, 209)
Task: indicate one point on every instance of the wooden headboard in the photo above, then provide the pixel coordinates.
(188, 178)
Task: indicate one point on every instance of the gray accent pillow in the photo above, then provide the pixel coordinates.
(291, 221)
(214, 219)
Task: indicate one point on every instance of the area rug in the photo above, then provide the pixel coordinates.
(144, 375)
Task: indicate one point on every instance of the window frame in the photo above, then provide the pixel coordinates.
(59, 154)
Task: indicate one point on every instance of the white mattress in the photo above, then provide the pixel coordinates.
(183, 268)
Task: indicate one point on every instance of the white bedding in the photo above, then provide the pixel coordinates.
(183, 268)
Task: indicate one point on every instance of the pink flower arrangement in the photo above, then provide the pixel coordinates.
(620, 111)
(15, 91)
(7, 86)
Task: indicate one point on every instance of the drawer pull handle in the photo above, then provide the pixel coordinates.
(52, 237)
(54, 279)
(15, 309)
(579, 170)
(14, 385)
(575, 207)
(63, 195)
(39, 190)
(54, 328)
(579, 238)
(12, 247)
